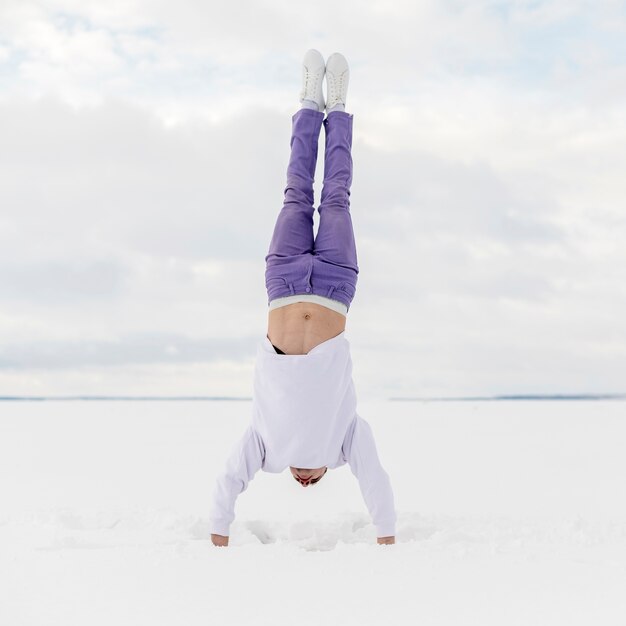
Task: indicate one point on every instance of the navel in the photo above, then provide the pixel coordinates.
(307, 316)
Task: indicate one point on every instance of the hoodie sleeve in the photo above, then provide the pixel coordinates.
(359, 450)
(245, 459)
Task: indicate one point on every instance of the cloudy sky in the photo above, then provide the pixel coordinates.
(143, 149)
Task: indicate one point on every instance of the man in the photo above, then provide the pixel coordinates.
(304, 403)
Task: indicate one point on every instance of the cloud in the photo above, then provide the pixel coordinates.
(143, 163)
(113, 177)
(61, 280)
(129, 349)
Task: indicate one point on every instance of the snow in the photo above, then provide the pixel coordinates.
(509, 513)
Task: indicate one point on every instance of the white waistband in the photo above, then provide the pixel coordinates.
(329, 303)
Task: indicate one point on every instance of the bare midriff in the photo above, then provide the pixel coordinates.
(297, 328)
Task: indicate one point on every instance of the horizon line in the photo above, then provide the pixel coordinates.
(149, 398)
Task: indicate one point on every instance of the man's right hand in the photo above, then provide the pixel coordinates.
(219, 540)
(385, 540)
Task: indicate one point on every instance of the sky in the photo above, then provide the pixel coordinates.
(143, 154)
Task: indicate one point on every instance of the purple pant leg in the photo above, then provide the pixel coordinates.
(289, 259)
(335, 245)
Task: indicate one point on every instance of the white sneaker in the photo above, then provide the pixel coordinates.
(313, 69)
(337, 79)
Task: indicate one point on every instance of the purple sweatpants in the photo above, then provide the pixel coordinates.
(295, 263)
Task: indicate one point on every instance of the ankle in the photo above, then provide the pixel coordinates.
(338, 107)
(310, 104)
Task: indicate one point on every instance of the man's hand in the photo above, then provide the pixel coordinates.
(219, 540)
(386, 540)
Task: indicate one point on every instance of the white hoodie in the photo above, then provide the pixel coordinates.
(304, 415)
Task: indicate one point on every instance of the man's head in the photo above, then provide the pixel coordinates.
(308, 477)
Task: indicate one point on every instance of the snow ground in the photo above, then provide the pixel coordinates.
(509, 513)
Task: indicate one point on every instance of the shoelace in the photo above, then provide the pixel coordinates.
(336, 87)
(307, 78)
